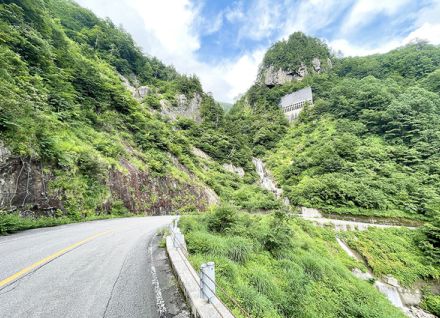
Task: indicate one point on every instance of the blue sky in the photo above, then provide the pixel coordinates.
(223, 41)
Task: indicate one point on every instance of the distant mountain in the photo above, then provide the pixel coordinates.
(226, 106)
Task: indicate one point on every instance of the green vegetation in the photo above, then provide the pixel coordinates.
(431, 241)
(12, 222)
(394, 251)
(63, 105)
(368, 146)
(368, 143)
(400, 252)
(296, 50)
(280, 267)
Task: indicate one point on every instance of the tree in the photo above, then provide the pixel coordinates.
(431, 242)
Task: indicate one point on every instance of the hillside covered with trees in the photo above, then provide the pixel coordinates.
(367, 148)
(75, 143)
(79, 141)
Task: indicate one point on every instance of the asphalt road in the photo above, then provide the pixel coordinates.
(94, 269)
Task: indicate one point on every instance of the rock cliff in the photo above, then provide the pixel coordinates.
(28, 186)
(186, 107)
(272, 76)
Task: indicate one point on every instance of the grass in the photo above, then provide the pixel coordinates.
(11, 223)
(393, 251)
(280, 267)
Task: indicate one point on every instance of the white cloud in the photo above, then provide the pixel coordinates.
(310, 16)
(364, 11)
(169, 30)
(429, 32)
(172, 31)
(348, 49)
(261, 19)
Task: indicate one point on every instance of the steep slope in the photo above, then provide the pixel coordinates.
(368, 145)
(367, 149)
(91, 126)
(78, 141)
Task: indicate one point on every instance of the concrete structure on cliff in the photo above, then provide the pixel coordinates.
(293, 103)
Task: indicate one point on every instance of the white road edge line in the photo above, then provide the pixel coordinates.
(160, 303)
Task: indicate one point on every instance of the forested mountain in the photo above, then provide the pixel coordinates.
(366, 149)
(91, 126)
(369, 145)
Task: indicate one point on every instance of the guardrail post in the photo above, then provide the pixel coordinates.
(176, 237)
(207, 282)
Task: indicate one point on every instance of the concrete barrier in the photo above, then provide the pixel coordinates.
(189, 281)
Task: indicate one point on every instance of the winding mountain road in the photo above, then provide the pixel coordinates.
(94, 269)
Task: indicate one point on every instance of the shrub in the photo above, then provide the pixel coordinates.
(258, 305)
(431, 242)
(432, 304)
(119, 208)
(223, 218)
(279, 236)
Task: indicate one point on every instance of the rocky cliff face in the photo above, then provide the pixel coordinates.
(143, 193)
(271, 76)
(138, 91)
(26, 186)
(186, 107)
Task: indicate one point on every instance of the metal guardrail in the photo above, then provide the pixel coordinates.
(206, 282)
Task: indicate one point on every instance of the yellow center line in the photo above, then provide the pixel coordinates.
(47, 259)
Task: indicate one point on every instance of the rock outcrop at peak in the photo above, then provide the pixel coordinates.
(273, 77)
(294, 59)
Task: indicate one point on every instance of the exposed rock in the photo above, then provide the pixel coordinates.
(390, 292)
(231, 168)
(274, 77)
(390, 280)
(181, 101)
(329, 63)
(316, 64)
(23, 185)
(266, 181)
(164, 104)
(128, 85)
(213, 198)
(138, 92)
(410, 297)
(346, 248)
(141, 92)
(200, 153)
(184, 108)
(301, 72)
(142, 192)
(402, 298)
(415, 312)
(362, 275)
